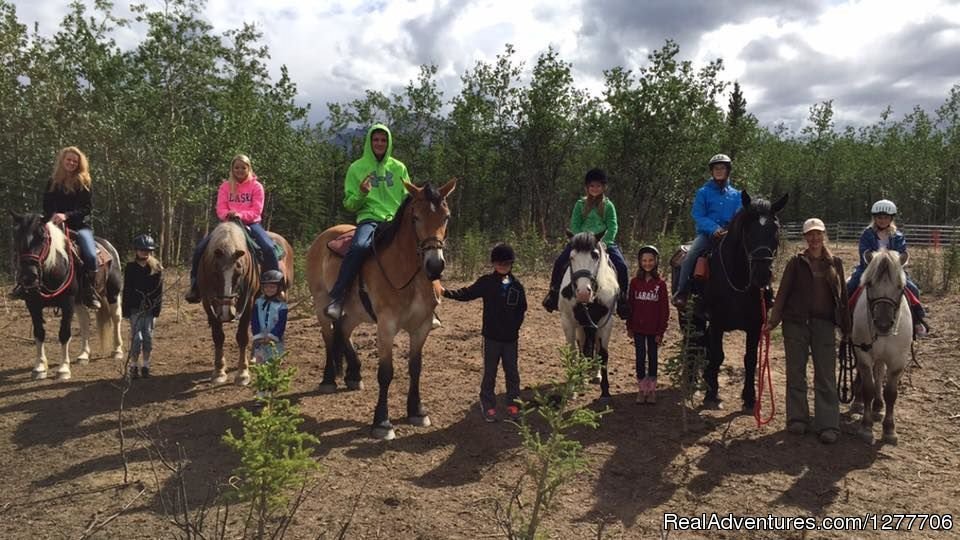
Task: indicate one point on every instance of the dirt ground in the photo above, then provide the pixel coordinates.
(61, 467)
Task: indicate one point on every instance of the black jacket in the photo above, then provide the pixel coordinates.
(77, 206)
(141, 291)
(503, 310)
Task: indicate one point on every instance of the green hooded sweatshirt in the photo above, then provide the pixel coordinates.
(386, 187)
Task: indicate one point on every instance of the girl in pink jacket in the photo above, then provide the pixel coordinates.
(239, 197)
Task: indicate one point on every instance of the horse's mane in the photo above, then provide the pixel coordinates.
(388, 230)
(885, 264)
(586, 242)
(583, 242)
(228, 236)
(758, 207)
(58, 246)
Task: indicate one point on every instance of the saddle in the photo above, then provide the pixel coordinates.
(701, 271)
(104, 261)
(254, 247)
(341, 244)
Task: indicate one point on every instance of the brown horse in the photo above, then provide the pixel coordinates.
(398, 279)
(228, 281)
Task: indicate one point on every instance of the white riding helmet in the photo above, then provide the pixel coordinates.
(720, 158)
(884, 206)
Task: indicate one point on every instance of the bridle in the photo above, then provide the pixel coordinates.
(220, 301)
(871, 304)
(762, 253)
(37, 259)
(585, 273)
(423, 245)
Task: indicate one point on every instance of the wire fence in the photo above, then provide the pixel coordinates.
(849, 231)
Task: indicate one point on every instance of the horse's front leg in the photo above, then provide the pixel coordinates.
(66, 318)
(219, 369)
(890, 396)
(603, 340)
(83, 319)
(749, 393)
(39, 335)
(242, 378)
(711, 371)
(382, 428)
(416, 414)
(868, 389)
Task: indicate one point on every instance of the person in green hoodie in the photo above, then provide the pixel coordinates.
(374, 191)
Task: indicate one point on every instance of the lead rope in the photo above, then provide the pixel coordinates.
(764, 376)
(847, 364)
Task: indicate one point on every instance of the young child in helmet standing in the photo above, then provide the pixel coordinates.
(882, 233)
(141, 302)
(649, 315)
(269, 320)
(593, 213)
(504, 307)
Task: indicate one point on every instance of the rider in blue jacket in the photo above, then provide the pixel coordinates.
(714, 206)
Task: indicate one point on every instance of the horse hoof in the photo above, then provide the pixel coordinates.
(419, 421)
(63, 375)
(218, 378)
(242, 378)
(604, 400)
(118, 355)
(747, 407)
(856, 408)
(890, 437)
(328, 388)
(595, 380)
(82, 360)
(867, 436)
(38, 374)
(383, 432)
(354, 385)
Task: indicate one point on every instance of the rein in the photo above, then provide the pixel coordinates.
(764, 368)
(751, 257)
(45, 293)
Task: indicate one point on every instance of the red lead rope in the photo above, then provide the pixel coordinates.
(764, 376)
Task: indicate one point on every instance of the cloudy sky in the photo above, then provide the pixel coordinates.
(787, 55)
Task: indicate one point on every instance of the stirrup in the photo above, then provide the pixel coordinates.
(334, 310)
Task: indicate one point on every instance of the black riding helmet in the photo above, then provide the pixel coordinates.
(502, 253)
(144, 242)
(272, 276)
(595, 175)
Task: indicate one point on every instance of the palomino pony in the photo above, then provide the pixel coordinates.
(588, 298)
(228, 279)
(881, 336)
(48, 274)
(741, 268)
(396, 283)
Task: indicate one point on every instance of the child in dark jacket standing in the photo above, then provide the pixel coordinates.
(141, 302)
(504, 306)
(650, 312)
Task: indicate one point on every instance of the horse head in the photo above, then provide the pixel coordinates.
(226, 271)
(37, 246)
(760, 236)
(884, 280)
(430, 215)
(587, 257)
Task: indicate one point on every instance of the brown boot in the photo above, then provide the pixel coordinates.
(90, 297)
(193, 295)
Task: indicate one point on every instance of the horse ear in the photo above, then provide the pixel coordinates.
(745, 199)
(904, 257)
(411, 189)
(569, 234)
(448, 188)
(868, 256)
(237, 254)
(780, 204)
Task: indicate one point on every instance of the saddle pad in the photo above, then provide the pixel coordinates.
(341, 244)
(254, 247)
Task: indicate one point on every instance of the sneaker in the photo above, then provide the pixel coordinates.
(920, 331)
(17, 293)
(193, 295)
(679, 300)
(513, 412)
(829, 436)
(334, 310)
(145, 372)
(797, 428)
(489, 415)
(552, 301)
(134, 372)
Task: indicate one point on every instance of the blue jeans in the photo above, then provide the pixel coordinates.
(88, 249)
(646, 347)
(362, 245)
(141, 330)
(700, 244)
(616, 257)
(259, 235)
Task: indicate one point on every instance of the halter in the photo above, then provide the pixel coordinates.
(38, 259)
(894, 329)
(424, 245)
(592, 276)
(231, 300)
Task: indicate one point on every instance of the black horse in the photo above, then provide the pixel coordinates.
(48, 272)
(741, 269)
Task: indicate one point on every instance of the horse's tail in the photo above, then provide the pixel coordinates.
(108, 322)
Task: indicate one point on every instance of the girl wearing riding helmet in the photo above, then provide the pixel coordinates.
(141, 302)
(882, 233)
(240, 198)
(593, 213)
(269, 320)
(649, 314)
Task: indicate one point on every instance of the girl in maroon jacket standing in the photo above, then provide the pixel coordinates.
(650, 311)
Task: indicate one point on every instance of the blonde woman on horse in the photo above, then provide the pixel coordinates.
(68, 200)
(812, 303)
(240, 197)
(374, 191)
(882, 232)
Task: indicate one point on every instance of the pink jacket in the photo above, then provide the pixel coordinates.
(247, 202)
